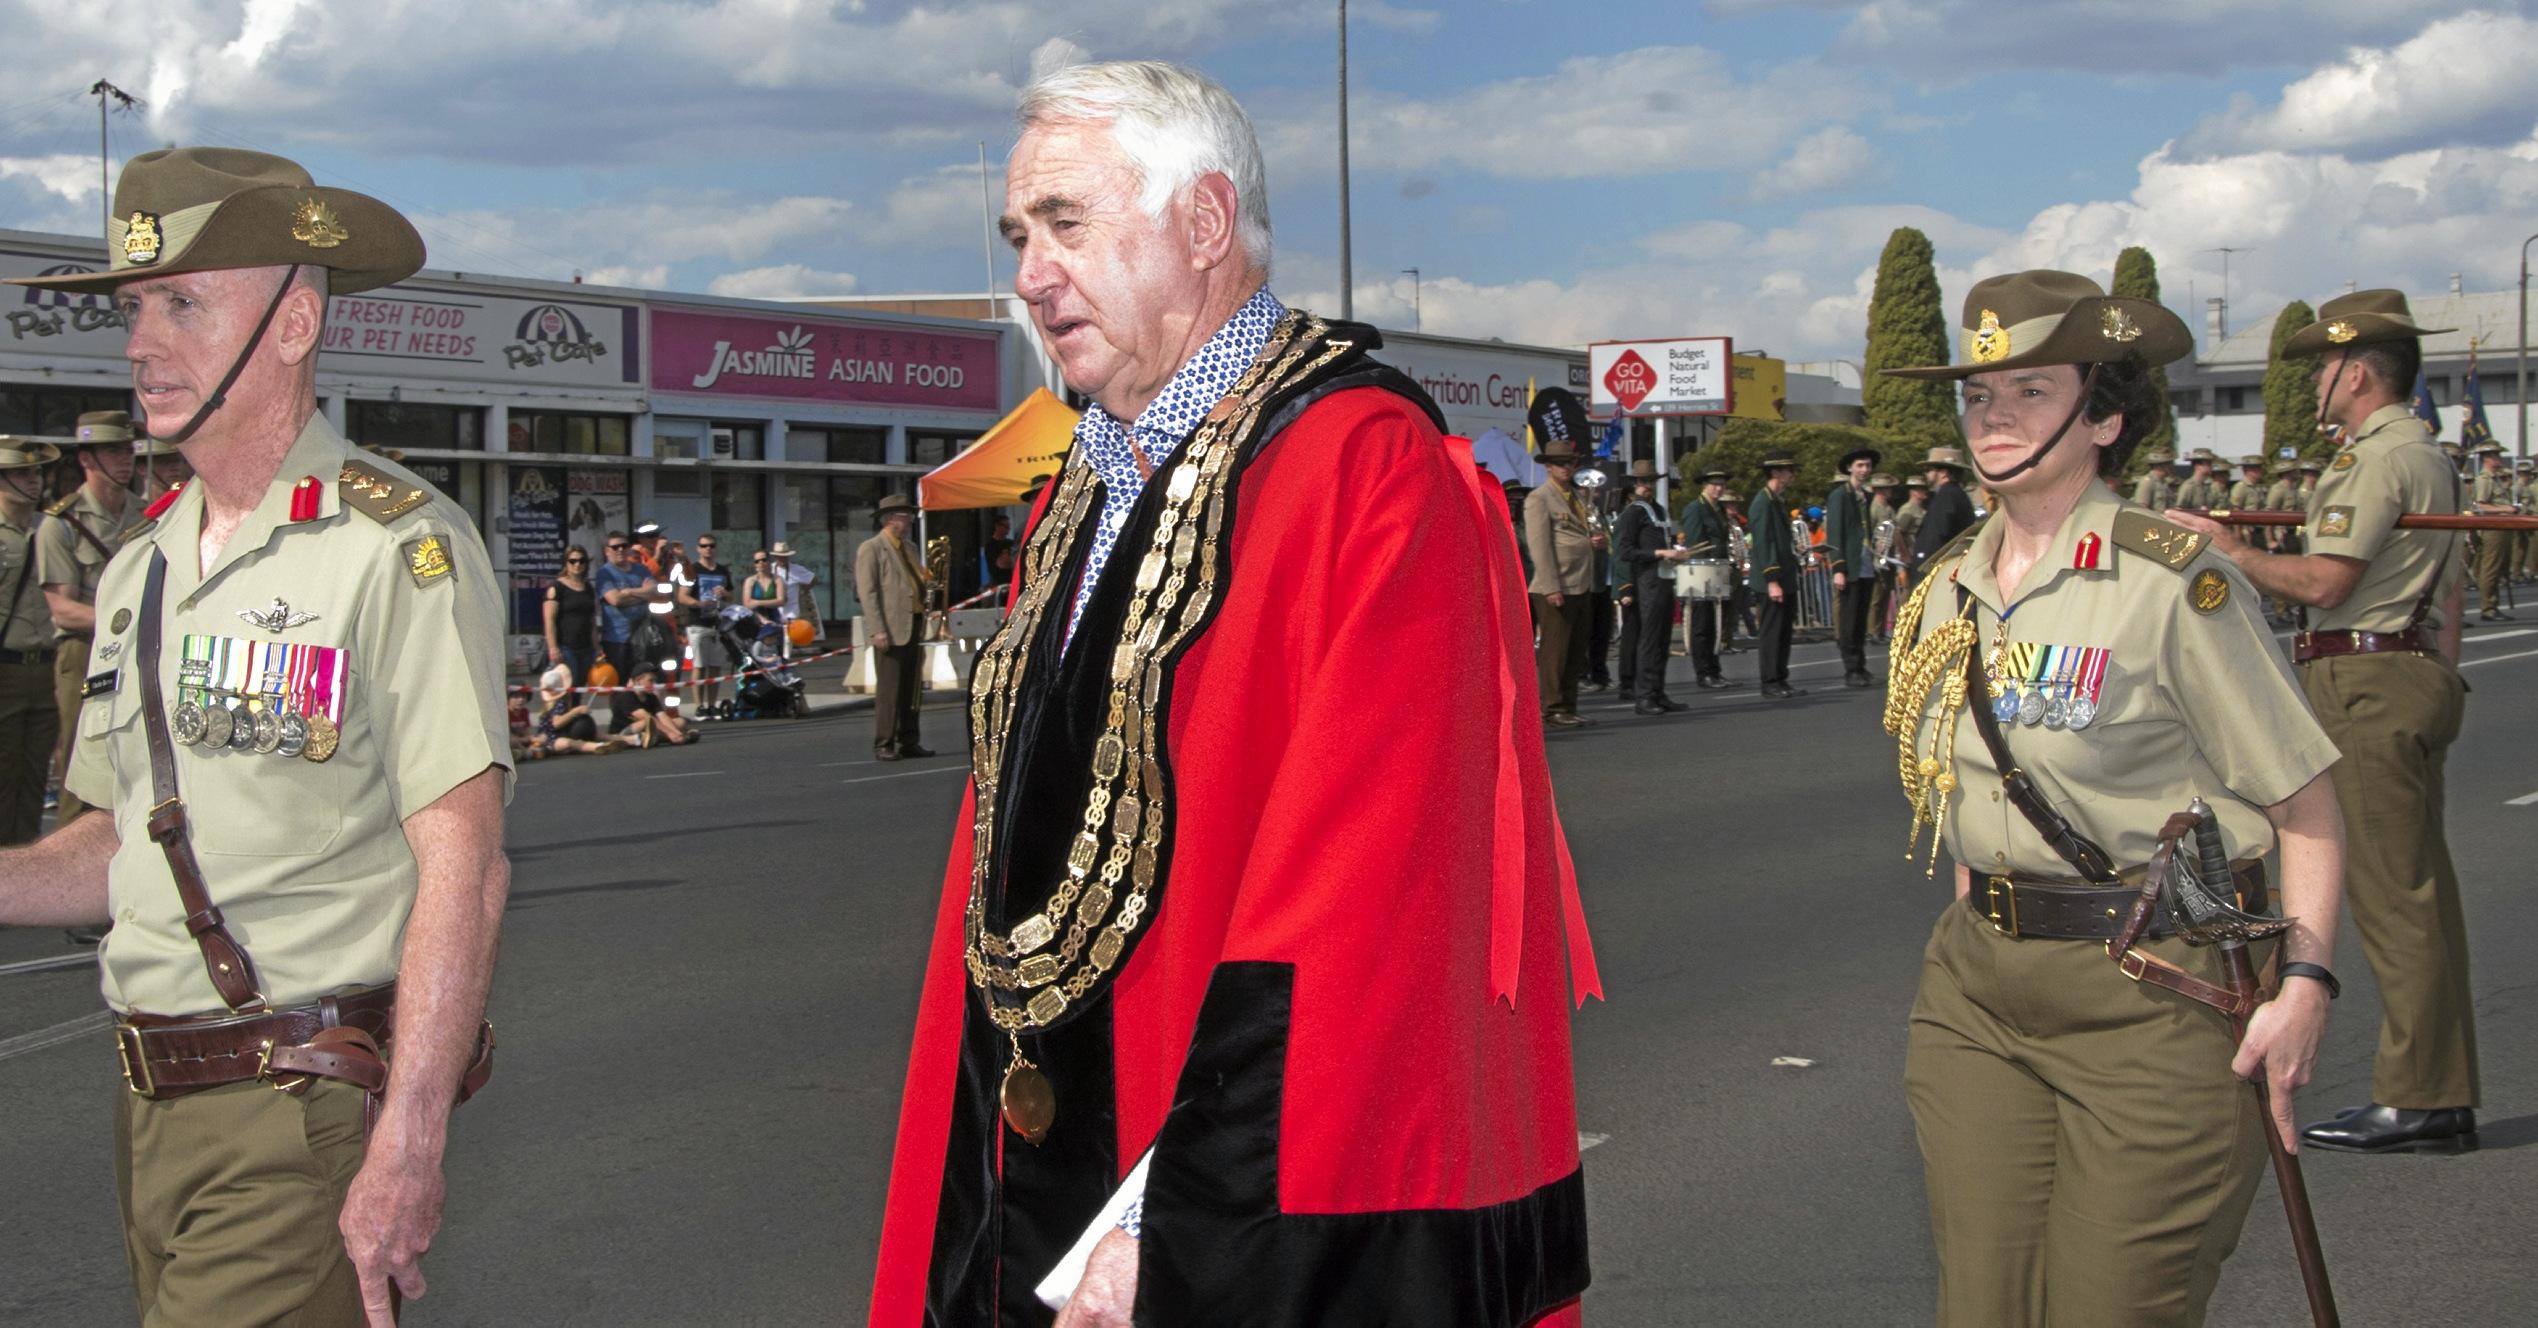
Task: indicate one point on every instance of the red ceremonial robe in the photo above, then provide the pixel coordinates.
(1344, 1032)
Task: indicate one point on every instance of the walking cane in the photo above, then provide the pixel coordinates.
(2214, 874)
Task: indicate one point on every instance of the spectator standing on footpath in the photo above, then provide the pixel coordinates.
(703, 589)
(1563, 538)
(572, 616)
(799, 606)
(890, 586)
(762, 592)
(1848, 536)
(72, 549)
(625, 588)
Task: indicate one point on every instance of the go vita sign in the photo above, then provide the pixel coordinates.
(1678, 376)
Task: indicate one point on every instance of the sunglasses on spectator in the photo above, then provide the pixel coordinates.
(614, 547)
(576, 558)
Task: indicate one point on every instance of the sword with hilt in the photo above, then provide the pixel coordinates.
(2205, 917)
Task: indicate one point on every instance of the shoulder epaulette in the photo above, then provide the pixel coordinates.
(378, 496)
(62, 505)
(2164, 542)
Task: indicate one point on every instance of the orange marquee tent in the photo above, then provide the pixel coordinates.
(1025, 445)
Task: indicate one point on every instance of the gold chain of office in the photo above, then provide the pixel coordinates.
(1177, 581)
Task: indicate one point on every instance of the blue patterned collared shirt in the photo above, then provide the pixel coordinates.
(1111, 448)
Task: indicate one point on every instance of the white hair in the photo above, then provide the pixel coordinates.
(1173, 124)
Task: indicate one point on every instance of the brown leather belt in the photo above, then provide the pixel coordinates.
(2065, 909)
(2306, 646)
(167, 1058)
(40, 655)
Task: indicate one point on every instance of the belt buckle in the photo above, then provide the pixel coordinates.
(265, 1074)
(2132, 964)
(136, 1060)
(1996, 889)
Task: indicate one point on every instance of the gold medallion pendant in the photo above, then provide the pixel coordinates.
(1029, 1103)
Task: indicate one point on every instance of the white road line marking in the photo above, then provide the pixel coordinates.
(685, 774)
(1587, 1140)
(2529, 800)
(832, 765)
(2482, 637)
(47, 965)
(69, 1031)
(910, 774)
(2497, 659)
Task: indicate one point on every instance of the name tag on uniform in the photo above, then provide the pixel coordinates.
(98, 684)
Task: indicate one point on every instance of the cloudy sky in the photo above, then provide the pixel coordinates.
(1559, 170)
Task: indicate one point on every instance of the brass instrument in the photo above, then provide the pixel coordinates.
(938, 582)
(1882, 544)
(1739, 548)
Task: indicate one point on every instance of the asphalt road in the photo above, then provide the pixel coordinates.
(709, 969)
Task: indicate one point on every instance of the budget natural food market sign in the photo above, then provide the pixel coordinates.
(1679, 376)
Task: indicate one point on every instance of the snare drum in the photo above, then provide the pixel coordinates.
(1704, 578)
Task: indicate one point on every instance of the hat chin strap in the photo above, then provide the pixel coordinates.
(2326, 427)
(2087, 380)
(220, 394)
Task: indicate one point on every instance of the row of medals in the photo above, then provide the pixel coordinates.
(255, 729)
(2031, 705)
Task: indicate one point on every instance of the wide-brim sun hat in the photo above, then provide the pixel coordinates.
(2359, 318)
(2041, 317)
(202, 209)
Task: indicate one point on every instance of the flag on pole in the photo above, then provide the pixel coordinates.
(2424, 409)
(2474, 432)
(1608, 443)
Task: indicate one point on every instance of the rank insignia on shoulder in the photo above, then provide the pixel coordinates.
(98, 684)
(2172, 545)
(427, 558)
(378, 496)
(2343, 461)
(2210, 591)
(2335, 523)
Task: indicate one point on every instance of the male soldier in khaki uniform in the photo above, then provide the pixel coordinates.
(85, 529)
(2157, 487)
(2090, 1150)
(1882, 534)
(29, 724)
(1563, 537)
(2525, 543)
(2378, 662)
(2492, 496)
(2201, 490)
(2247, 493)
(890, 585)
(308, 641)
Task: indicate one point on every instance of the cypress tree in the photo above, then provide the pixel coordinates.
(1907, 329)
(2137, 278)
(2291, 391)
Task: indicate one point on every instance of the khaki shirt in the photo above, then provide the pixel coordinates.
(2201, 495)
(2392, 466)
(72, 561)
(2192, 703)
(1908, 526)
(2155, 491)
(1559, 534)
(2284, 496)
(399, 619)
(30, 624)
(891, 596)
(2492, 488)
(2247, 496)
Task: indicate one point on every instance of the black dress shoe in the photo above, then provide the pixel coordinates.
(2378, 1129)
(1669, 704)
(1647, 708)
(910, 749)
(1858, 678)
(885, 754)
(1781, 691)
(1717, 682)
(1562, 719)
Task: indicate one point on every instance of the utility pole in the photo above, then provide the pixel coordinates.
(2520, 378)
(104, 92)
(2225, 252)
(1348, 298)
(1415, 321)
(987, 212)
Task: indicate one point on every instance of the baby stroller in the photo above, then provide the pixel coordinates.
(773, 690)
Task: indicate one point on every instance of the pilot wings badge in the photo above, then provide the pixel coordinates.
(278, 619)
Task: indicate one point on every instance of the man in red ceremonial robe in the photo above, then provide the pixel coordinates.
(1259, 878)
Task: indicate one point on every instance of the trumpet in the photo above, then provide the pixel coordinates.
(1882, 544)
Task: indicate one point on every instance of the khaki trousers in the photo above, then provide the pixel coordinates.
(2088, 1155)
(2493, 564)
(28, 726)
(230, 1198)
(70, 673)
(2394, 716)
(1559, 653)
(898, 691)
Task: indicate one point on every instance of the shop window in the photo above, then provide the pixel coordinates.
(738, 442)
(569, 433)
(850, 522)
(869, 447)
(933, 449)
(406, 425)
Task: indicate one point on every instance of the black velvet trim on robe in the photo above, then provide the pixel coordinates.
(1215, 1249)
(1000, 1225)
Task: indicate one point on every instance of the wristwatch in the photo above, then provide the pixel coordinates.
(2297, 969)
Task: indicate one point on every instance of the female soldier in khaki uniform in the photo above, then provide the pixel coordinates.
(2089, 1152)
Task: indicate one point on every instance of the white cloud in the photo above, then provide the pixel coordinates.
(1829, 158)
(786, 280)
(1654, 111)
(2463, 79)
(64, 175)
(639, 278)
